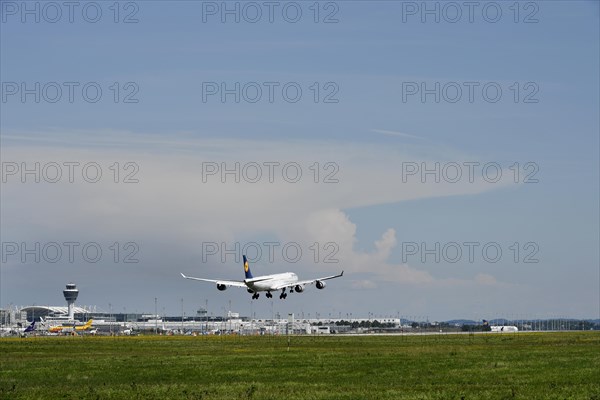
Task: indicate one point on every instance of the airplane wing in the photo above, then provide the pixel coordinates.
(218, 282)
(308, 282)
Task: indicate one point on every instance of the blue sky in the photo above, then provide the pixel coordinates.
(372, 52)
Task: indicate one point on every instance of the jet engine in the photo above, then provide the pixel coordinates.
(250, 291)
(321, 285)
(299, 288)
(221, 286)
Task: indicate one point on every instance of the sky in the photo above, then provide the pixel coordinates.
(444, 156)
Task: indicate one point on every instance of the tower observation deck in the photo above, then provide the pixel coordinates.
(71, 293)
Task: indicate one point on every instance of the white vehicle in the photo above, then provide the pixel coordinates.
(268, 283)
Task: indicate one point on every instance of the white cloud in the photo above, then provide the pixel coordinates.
(396, 133)
(172, 205)
(324, 225)
(485, 279)
(364, 284)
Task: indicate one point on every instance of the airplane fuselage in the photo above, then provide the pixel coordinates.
(70, 328)
(271, 282)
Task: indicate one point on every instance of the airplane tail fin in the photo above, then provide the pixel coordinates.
(486, 326)
(247, 269)
(30, 327)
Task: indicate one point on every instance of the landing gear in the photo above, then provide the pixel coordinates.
(283, 294)
(269, 295)
(255, 296)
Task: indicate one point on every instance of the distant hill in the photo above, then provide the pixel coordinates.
(462, 322)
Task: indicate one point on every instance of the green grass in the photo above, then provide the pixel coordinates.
(490, 366)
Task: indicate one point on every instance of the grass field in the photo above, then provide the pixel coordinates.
(484, 366)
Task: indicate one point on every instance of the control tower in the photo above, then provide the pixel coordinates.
(70, 294)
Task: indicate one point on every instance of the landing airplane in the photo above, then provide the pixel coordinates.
(268, 283)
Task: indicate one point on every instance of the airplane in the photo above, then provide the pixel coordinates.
(30, 328)
(268, 283)
(504, 328)
(18, 331)
(71, 328)
(85, 327)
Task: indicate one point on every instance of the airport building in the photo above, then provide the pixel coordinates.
(70, 315)
(70, 312)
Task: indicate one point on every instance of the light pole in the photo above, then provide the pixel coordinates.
(223, 323)
(273, 318)
(229, 315)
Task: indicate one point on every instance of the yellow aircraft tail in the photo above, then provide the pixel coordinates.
(86, 326)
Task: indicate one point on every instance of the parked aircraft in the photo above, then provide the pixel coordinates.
(18, 331)
(30, 328)
(71, 328)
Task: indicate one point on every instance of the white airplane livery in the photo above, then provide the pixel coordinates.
(269, 283)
